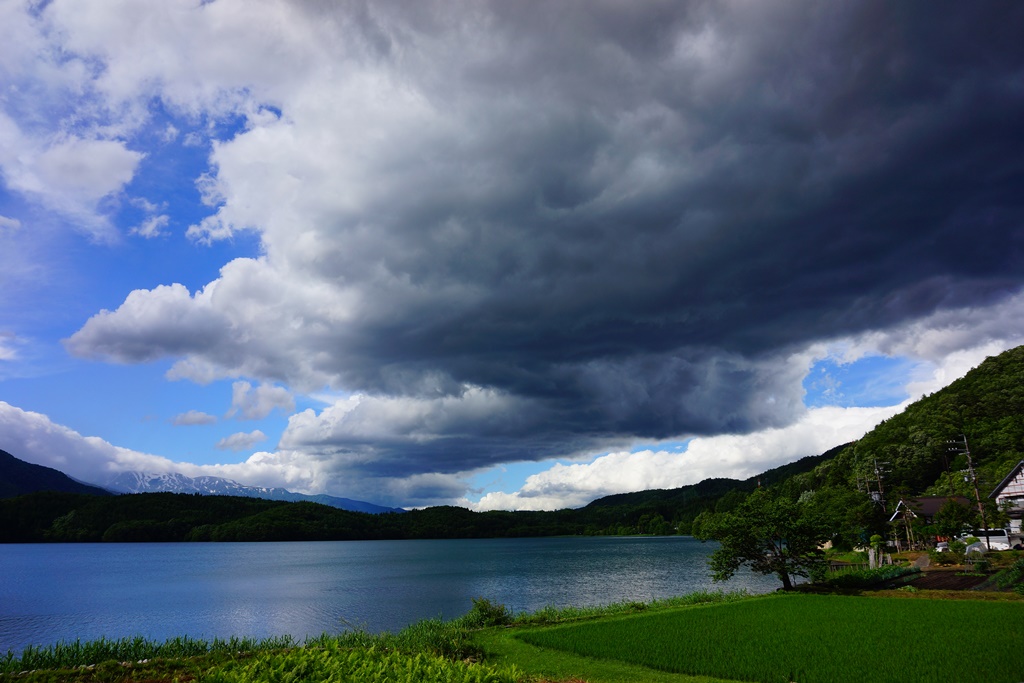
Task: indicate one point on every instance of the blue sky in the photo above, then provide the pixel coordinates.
(491, 254)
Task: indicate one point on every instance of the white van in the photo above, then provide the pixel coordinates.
(998, 539)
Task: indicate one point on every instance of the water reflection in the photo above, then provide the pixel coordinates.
(64, 592)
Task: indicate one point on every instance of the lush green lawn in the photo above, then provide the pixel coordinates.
(812, 638)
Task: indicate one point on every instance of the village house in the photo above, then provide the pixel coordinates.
(1009, 496)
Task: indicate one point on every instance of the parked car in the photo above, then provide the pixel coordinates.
(998, 539)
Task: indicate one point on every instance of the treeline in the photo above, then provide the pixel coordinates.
(168, 517)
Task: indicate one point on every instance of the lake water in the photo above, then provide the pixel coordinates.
(55, 592)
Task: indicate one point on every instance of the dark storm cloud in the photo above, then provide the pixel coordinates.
(829, 169)
(645, 209)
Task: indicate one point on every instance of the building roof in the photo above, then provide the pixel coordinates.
(1007, 480)
(926, 506)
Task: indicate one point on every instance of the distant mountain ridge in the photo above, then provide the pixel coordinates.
(174, 482)
(18, 478)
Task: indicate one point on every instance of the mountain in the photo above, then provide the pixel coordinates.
(18, 477)
(173, 482)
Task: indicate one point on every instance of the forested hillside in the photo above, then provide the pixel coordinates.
(919, 451)
(18, 477)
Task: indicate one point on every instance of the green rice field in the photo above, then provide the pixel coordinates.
(813, 639)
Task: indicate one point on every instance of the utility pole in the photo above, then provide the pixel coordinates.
(878, 478)
(974, 482)
(878, 470)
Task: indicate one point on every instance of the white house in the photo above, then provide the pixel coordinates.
(1009, 495)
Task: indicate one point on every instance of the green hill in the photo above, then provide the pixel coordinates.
(912, 450)
(18, 477)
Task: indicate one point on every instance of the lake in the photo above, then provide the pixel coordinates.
(54, 592)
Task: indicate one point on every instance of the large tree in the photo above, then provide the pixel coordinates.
(771, 534)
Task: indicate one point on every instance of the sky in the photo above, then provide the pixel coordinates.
(512, 255)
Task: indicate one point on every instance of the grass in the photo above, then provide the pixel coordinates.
(985, 596)
(707, 637)
(558, 615)
(546, 664)
(809, 638)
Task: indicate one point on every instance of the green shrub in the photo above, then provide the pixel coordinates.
(943, 559)
(866, 578)
(1012, 577)
(981, 565)
(485, 613)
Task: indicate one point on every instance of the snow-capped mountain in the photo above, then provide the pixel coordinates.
(173, 482)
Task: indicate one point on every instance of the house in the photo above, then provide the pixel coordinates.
(924, 507)
(1009, 496)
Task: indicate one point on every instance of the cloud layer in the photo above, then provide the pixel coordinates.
(518, 231)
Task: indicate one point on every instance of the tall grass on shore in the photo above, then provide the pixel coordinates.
(65, 655)
(334, 662)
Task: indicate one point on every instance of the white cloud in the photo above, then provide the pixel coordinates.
(34, 438)
(241, 441)
(9, 224)
(82, 170)
(70, 176)
(7, 343)
(366, 419)
(152, 226)
(167, 315)
(278, 316)
(249, 403)
(194, 417)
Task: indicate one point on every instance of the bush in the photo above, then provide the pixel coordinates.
(946, 558)
(866, 578)
(1012, 577)
(486, 613)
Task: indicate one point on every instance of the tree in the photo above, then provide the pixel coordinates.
(952, 518)
(851, 516)
(768, 533)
